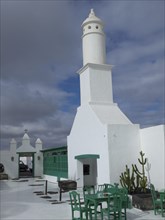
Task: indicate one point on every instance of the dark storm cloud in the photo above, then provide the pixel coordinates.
(35, 35)
(37, 49)
(41, 52)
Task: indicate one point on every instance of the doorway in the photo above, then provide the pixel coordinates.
(26, 165)
(87, 169)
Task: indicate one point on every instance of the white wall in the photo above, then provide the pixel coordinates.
(38, 156)
(38, 169)
(11, 167)
(153, 145)
(117, 145)
(87, 137)
(96, 84)
(124, 148)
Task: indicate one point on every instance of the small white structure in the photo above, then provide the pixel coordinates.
(10, 159)
(102, 139)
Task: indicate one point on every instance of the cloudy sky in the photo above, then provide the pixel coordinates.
(41, 53)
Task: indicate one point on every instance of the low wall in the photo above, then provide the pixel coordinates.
(153, 145)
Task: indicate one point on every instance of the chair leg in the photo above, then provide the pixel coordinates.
(86, 214)
(154, 209)
(81, 215)
(125, 213)
(162, 209)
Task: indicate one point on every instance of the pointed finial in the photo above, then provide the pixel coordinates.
(26, 130)
(92, 13)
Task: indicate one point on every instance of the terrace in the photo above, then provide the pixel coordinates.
(25, 199)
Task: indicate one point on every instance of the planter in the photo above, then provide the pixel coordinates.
(142, 201)
(3, 176)
(66, 186)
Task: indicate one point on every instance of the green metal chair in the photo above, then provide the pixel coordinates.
(125, 200)
(104, 187)
(114, 206)
(162, 199)
(157, 202)
(108, 186)
(112, 190)
(77, 207)
(100, 188)
(89, 190)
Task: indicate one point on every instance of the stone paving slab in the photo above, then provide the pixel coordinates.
(19, 202)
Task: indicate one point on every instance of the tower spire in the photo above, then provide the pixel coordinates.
(93, 40)
(92, 13)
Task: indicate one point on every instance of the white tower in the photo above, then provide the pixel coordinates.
(101, 132)
(95, 75)
(93, 40)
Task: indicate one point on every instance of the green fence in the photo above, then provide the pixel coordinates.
(56, 162)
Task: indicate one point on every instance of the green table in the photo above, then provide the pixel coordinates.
(96, 199)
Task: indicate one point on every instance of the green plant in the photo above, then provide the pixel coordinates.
(135, 180)
(141, 175)
(127, 180)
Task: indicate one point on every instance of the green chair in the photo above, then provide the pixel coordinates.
(112, 190)
(108, 186)
(125, 201)
(77, 207)
(162, 199)
(157, 202)
(104, 187)
(90, 190)
(114, 206)
(100, 188)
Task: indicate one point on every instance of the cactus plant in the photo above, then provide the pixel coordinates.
(135, 180)
(141, 175)
(127, 180)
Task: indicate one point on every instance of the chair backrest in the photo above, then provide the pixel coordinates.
(100, 188)
(75, 200)
(162, 197)
(124, 193)
(112, 190)
(115, 202)
(88, 190)
(124, 197)
(107, 186)
(153, 193)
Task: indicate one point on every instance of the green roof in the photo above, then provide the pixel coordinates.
(86, 156)
(53, 148)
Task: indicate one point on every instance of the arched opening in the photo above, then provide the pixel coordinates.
(26, 165)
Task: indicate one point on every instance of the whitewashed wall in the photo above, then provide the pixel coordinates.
(38, 157)
(124, 148)
(153, 145)
(11, 167)
(118, 144)
(88, 136)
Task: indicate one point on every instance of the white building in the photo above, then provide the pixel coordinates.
(29, 155)
(102, 139)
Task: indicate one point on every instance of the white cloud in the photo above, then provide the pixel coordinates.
(41, 52)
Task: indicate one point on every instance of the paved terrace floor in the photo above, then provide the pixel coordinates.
(22, 199)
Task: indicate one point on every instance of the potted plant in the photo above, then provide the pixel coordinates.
(136, 182)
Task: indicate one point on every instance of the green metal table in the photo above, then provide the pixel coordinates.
(96, 199)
